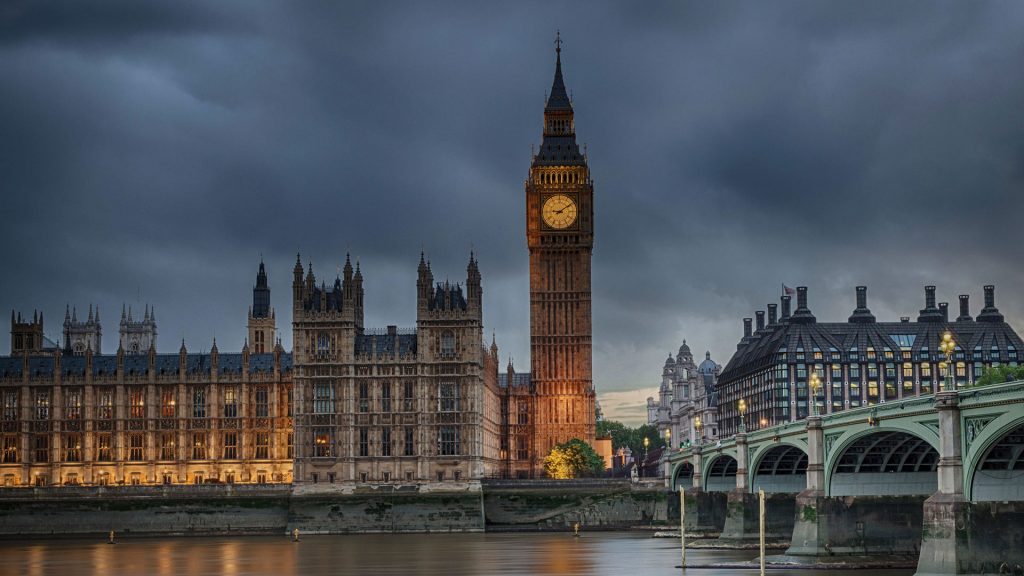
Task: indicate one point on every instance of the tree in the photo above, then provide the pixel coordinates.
(1000, 374)
(624, 436)
(573, 459)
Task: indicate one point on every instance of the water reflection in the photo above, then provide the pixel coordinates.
(600, 554)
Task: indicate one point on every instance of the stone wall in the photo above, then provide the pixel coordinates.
(882, 526)
(557, 505)
(386, 509)
(80, 511)
(971, 537)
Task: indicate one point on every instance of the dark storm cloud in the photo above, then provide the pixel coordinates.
(152, 152)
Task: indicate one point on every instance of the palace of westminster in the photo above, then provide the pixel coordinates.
(354, 405)
(349, 404)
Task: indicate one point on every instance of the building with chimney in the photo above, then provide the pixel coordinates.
(860, 362)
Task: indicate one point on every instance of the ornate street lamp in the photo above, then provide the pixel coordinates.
(742, 405)
(647, 442)
(668, 438)
(698, 425)
(815, 386)
(946, 347)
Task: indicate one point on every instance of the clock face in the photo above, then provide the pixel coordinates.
(559, 211)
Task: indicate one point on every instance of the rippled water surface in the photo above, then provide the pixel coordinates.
(594, 553)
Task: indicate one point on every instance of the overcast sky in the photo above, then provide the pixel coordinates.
(151, 152)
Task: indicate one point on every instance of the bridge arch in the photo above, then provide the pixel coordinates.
(720, 473)
(887, 460)
(779, 468)
(994, 462)
(682, 476)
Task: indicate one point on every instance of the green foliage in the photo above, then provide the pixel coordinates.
(573, 459)
(623, 435)
(1000, 374)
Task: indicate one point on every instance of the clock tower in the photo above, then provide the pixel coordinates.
(560, 236)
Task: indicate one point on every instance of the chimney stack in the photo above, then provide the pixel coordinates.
(944, 308)
(773, 314)
(760, 320)
(802, 314)
(965, 308)
(930, 313)
(785, 307)
(746, 327)
(861, 313)
(990, 313)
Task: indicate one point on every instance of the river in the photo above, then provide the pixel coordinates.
(594, 553)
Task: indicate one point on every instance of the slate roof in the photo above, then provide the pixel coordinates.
(11, 366)
(518, 379)
(849, 341)
(386, 344)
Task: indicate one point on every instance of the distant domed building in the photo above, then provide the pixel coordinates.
(687, 393)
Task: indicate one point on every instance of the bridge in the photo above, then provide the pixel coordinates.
(937, 477)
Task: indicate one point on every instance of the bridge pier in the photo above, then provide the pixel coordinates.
(945, 540)
(705, 511)
(742, 524)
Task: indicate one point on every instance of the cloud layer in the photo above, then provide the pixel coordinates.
(152, 152)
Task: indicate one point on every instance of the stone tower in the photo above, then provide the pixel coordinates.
(560, 236)
(262, 322)
(26, 336)
(82, 336)
(137, 337)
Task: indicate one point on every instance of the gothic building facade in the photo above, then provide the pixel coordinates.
(76, 416)
(560, 237)
(687, 404)
(389, 405)
(861, 362)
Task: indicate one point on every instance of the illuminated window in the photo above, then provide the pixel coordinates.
(136, 447)
(167, 445)
(10, 406)
(42, 405)
(167, 402)
(230, 446)
(230, 402)
(103, 448)
(73, 448)
(105, 404)
(262, 445)
(137, 402)
(199, 446)
(323, 440)
(73, 404)
(10, 447)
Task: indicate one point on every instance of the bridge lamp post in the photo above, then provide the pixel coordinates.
(647, 442)
(815, 387)
(946, 347)
(668, 438)
(697, 424)
(742, 405)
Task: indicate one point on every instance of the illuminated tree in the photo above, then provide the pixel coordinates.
(573, 459)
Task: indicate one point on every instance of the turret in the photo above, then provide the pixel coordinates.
(424, 285)
(297, 292)
(474, 291)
